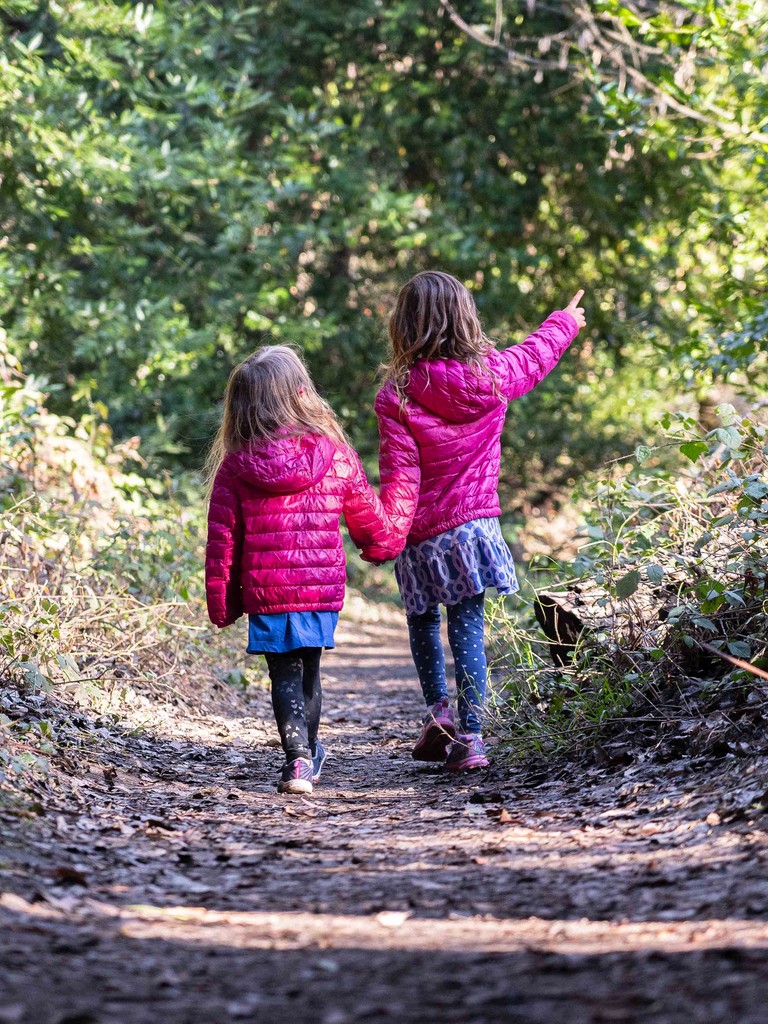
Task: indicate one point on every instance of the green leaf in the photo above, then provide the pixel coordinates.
(729, 436)
(676, 612)
(756, 489)
(236, 677)
(627, 585)
(739, 649)
(655, 573)
(693, 450)
(727, 414)
(728, 485)
(255, 321)
(712, 604)
(33, 676)
(704, 623)
(642, 453)
(724, 520)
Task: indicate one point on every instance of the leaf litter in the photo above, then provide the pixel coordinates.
(156, 876)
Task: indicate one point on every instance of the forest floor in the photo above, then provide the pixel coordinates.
(168, 883)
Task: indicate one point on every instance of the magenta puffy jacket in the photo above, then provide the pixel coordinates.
(440, 456)
(274, 543)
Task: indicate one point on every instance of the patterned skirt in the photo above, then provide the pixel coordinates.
(456, 564)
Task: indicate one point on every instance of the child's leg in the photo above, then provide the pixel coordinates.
(428, 654)
(429, 658)
(313, 692)
(286, 673)
(465, 634)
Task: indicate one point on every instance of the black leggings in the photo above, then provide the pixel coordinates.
(297, 698)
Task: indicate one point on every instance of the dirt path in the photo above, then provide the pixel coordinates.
(176, 887)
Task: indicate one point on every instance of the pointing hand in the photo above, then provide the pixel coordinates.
(576, 311)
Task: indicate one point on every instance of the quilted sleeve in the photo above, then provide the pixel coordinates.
(368, 523)
(399, 468)
(521, 367)
(223, 551)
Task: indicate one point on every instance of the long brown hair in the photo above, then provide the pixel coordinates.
(435, 317)
(269, 393)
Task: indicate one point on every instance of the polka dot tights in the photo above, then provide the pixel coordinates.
(465, 636)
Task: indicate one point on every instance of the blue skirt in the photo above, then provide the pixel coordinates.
(456, 564)
(285, 631)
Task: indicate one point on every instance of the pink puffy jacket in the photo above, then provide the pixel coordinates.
(440, 456)
(274, 543)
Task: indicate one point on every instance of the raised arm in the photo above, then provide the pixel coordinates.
(222, 552)
(521, 367)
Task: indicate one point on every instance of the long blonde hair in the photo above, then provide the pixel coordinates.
(435, 317)
(270, 393)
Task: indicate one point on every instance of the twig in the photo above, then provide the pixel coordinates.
(738, 662)
(513, 56)
(622, 51)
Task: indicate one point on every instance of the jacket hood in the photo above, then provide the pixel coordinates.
(456, 391)
(284, 465)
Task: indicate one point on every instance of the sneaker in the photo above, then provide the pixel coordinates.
(437, 733)
(467, 751)
(296, 777)
(318, 760)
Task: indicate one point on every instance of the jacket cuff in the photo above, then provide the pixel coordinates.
(379, 553)
(571, 321)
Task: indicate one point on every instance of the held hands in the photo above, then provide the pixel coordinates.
(575, 310)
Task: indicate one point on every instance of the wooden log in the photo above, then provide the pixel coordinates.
(561, 626)
(564, 615)
(639, 620)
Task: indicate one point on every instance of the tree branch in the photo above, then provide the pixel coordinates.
(512, 55)
(615, 44)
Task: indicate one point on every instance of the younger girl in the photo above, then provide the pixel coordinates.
(282, 475)
(441, 413)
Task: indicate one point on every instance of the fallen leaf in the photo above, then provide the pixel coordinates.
(499, 814)
(180, 883)
(69, 876)
(392, 918)
(473, 810)
(485, 797)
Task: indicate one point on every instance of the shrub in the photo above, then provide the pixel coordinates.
(669, 587)
(97, 566)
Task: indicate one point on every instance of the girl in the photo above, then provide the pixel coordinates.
(282, 474)
(441, 413)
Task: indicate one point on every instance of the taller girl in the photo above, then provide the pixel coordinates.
(441, 414)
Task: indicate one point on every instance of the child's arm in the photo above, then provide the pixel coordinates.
(222, 552)
(400, 470)
(368, 523)
(521, 367)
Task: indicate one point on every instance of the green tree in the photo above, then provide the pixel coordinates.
(182, 182)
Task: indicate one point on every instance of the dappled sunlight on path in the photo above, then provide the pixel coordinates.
(390, 929)
(177, 878)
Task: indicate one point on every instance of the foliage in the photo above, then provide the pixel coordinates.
(95, 575)
(179, 183)
(676, 564)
